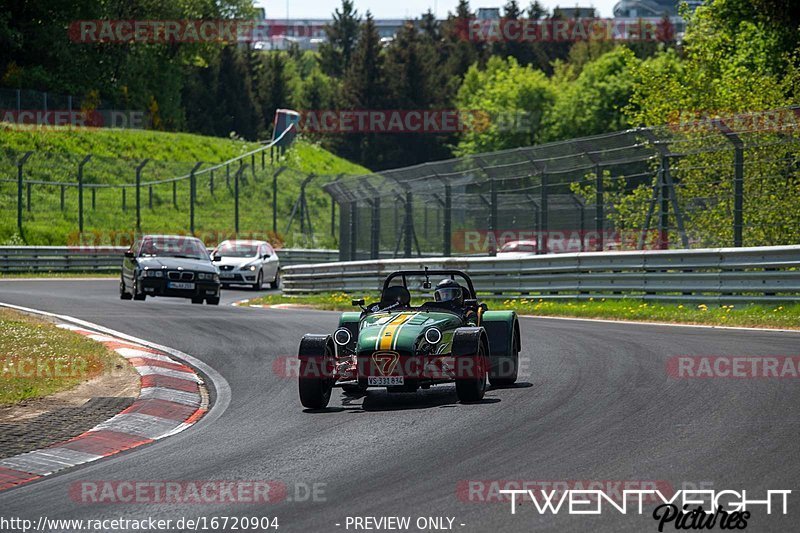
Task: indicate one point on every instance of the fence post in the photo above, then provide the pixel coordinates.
(275, 199)
(175, 194)
(94, 198)
(139, 196)
(150, 197)
(80, 192)
(448, 219)
(62, 197)
(738, 181)
(124, 198)
(409, 225)
(542, 247)
(353, 230)
(20, 165)
(375, 247)
(211, 183)
(28, 196)
(192, 195)
(19, 102)
(493, 215)
(236, 199)
(263, 160)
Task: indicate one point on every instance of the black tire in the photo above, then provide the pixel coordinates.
(123, 294)
(470, 389)
(213, 300)
(259, 281)
(197, 300)
(139, 297)
(274, 284)
(506, 371)
(315, 391)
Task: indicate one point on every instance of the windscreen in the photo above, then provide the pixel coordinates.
(182, 247)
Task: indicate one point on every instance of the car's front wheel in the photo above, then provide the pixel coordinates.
(259, 281)
(472, 365)
(138, 296)
(213, 300)
(123, 294)
(316, 371)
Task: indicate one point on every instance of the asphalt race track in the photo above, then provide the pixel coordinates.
(596, 403)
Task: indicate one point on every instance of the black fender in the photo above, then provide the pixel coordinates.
(312, 352)
(466, 343)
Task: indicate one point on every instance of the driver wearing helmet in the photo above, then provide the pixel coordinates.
(449, 292)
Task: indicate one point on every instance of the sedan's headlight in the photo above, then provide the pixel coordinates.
(205, 276)
(152, 274)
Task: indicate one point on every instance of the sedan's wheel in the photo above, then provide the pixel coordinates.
(259, 281)
(472, 386)
(197, 300)
(274, 284)
(213, 300)
(123, 294)
(139, 297)
(506, 369)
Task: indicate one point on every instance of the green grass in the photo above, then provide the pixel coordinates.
(38, 359)
(750, 315)
(116, 153)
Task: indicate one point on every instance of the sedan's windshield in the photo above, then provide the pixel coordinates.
(237, 249)
(183, 247)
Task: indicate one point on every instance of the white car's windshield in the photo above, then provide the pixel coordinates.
(234, 249)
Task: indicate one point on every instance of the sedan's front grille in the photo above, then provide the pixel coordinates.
(180, 276)
(226, 268)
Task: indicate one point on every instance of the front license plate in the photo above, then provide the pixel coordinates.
(385, 381)
(181, 285)
(226, 275)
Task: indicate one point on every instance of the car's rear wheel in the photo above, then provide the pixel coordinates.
(471, 383)
(316, 376)
(213, 300)
(274, 284)
(506, 370)
(123, 294)
(197, 300)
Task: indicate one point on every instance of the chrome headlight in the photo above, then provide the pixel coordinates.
(433, 335)
(152, 273)
(208, 277)
(342, 336)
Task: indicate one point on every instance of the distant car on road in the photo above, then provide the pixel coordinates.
(514, 249)
(247, 263)
(169, 265)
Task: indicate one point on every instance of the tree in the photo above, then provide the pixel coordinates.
(365, 88)
(594, 102)
(508, 103)
(342, 33)
(236, 111)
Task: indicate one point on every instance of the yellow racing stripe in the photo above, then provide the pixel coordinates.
(387, 335)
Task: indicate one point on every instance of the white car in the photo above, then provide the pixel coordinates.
(251, 263)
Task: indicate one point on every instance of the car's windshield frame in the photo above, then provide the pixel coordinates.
(180, 243)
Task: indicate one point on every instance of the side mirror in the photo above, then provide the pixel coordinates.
(358, 303)
(426, 284)
(216, 258)
(129, 254)
(266, 256)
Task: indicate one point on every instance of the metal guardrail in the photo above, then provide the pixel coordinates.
(20, 259)
(710, 275)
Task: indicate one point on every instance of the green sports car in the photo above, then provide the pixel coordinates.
(392, 344)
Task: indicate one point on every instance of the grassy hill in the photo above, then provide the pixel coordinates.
(115, 156)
